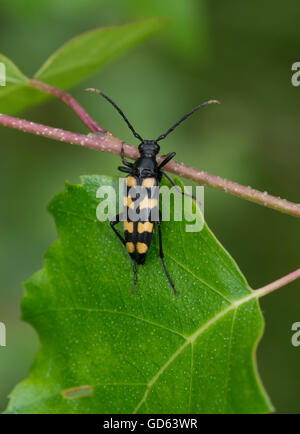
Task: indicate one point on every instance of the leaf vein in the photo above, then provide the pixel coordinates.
(63, 309)
(190, 340)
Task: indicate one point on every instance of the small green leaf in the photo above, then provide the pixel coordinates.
(14, 76)
(73, 62)
(106, 350)
(17, 93)
(85, 54)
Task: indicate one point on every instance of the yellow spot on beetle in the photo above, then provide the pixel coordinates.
(130, 247)
(145, 227)
(148, 203)
(128, 202)
(141, 247)
(128, 226)
(148, 182)
(130, 181)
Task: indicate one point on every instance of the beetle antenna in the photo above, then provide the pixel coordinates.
(212, 101)
(119, 110)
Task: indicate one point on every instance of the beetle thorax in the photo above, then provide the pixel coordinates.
(149, 148)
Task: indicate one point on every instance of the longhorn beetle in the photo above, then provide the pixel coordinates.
(147, 173)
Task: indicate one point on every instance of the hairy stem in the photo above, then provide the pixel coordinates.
(104, 141)
(71, 102)
(277, 284)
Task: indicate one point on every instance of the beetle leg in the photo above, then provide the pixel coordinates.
(134, 276)
(161, 254)
(167, 159)
(113, 223)
(177, 187)
(124, 169)
(125, 162)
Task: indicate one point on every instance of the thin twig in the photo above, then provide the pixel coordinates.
(277, 284)
(248, 193)
(71, 102)
(105, 141)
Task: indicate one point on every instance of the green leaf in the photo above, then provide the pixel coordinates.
(106, 350)
(18, 93)
(88, 52)
(76, 60)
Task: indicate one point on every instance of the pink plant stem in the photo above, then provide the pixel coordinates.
(105, 141)
(71, 102)
(248, 193)
(277, 284)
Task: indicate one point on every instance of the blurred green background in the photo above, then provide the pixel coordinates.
(238, 52)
